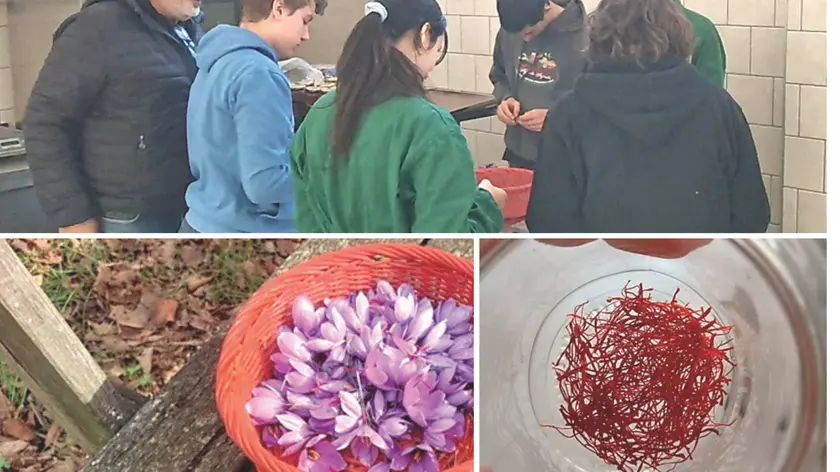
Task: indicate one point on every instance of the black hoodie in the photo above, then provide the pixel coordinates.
(654, 150)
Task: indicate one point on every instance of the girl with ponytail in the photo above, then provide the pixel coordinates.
(376, 156)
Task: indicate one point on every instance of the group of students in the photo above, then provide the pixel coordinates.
(621, 114)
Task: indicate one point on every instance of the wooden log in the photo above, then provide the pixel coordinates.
(180, 430)
(41, 348)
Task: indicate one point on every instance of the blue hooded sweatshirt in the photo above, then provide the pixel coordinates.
(240, 126)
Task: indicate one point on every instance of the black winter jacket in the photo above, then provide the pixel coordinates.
(653, 150)
(106, 122)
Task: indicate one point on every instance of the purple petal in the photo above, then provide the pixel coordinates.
(338, 353)
(458, 316)
(378, 404)
(300, 383)
(290, 438)
(319, 344)
(330, 456)
(393, 427)
(331, 333)
(350, 405)
(338, 320)
(434, 336)
(324, 411)
(404, 308)
(365, 453)
(362, 308)
(441, 425)
(302, 367)
(462, 354)
(298, 400)
(281, 362)
(381, 467)
(386, 291)
(291, 421)
(335, 386)
(344, 423)
(273, 385)
(322, 426)
(404, 346)
(356, 346)
(459, 398)
(422, 320)
(343, 440)
(374, 437)
(400, 461)
(292, 345)
(428, 464)
(376, 376)
(303, 314)
(264, 409)
(436, 440)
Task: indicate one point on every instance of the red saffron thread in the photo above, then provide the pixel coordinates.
(642, 379)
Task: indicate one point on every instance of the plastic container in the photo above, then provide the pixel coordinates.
(516, 182)
(244, 358)
(772, 291)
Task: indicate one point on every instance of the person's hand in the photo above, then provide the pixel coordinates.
(533, 120)
(498, 194)
(662, 248)
(89, 226)
(508, 111)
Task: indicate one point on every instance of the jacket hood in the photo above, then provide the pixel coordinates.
(573, 17)
(225, 39)
(648, 103)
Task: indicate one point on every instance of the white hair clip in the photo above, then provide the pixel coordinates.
(378, 8)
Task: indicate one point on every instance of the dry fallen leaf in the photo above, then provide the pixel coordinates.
(52, 435)
(66, 466)
(192, 255)
(17, 429)
(11, 448)
(196, 283)
(137, 318)
(145, 359)
(165, 312)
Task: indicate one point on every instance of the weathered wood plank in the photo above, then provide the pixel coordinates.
(179, 430)
(41, 348)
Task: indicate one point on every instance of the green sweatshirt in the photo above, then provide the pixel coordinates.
(709, 55)
(409, 171)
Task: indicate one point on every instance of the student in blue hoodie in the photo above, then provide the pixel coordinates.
(240, 122)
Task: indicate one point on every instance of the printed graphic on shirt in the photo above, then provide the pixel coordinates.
(537, 68)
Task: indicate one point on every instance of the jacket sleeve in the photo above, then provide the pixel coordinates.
(261, 101)
(498, 74)
(447, 197)
(64, 93)
(558, 187)
(710, 56)
(750, 207)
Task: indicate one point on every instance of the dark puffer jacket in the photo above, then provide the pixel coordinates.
(106, 122)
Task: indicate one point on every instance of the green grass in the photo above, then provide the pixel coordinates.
(226, 266)
(136, 373)
(5, 464)
(12, 387)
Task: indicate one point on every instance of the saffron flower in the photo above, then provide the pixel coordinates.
(384, 377)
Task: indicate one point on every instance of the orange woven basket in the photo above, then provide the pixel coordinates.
(244, 359)
(516, 182)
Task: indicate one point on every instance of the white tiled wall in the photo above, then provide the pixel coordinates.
(776, 70)
(7, 98)
(805, 117)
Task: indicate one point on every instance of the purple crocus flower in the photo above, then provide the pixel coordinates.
(422, 403)
(305, 317)
(267, 402)
(299, 435)
(321, 457)
(420, 458)
(457, 317)
(351, 425)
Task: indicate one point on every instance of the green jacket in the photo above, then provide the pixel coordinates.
(409, 171)
(709, 55)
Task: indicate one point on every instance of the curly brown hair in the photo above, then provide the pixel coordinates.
(640, 30)
(258, 10)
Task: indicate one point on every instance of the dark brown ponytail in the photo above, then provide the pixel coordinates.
(371, 70)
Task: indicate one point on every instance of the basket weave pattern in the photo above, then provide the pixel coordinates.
(244, 359)
(516, 182)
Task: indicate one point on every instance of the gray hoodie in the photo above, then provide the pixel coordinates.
(537, 72)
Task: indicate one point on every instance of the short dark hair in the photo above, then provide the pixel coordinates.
(639, 30)
(370, 70)
(258, 10)
(516, 15)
